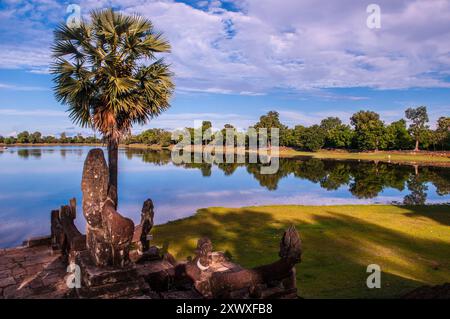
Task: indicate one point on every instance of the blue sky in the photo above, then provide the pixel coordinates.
(235, 60)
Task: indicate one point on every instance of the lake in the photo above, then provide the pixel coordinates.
(35, 180)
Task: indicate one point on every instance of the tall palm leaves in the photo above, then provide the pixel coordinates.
(102, 73)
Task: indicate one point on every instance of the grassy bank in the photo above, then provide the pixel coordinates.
(411, 244)
(403, 157)
(382, 156)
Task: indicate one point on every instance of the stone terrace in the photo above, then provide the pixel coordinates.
(32, 272)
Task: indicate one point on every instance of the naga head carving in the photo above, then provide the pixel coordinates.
(291, 245)
(204, 246)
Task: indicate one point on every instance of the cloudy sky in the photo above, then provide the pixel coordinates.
(237, 59)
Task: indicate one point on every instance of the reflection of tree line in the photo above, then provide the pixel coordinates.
(37, 152)
(363, 179)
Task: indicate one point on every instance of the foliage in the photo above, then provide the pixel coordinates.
(397, 136)
(418, 128)
(269, 121)
(369, 130)
(337, 135)
(369, 133)
(100, 75)
(309, 138)
(154, 136)
(443, 132)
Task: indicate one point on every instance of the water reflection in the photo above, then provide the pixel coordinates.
(364, 180)
(35, 180)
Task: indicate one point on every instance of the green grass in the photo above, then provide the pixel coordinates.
(411, 244)
(385, 156)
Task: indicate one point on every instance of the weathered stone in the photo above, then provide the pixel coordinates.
(19, 271)
(52, 279)
(112, 291)
(177, 294)
(38, 259)
(142, 232)
(94, 186)
(7, 281)
(108, 234)
(34, 269)
(37, 241)
(119, 232)
(279, 273)
(5, 273)
(57, 234)
(291, 245)
(96, 276)
(73, 240)
(13, 292)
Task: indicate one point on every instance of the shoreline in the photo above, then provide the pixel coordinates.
(420, 158)
(424, 158)
(374, 233)
(344, 239)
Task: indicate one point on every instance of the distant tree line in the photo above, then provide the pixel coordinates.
(37, 138)
(366, 132)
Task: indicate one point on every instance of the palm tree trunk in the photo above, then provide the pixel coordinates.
(113, 156)
(417, 146)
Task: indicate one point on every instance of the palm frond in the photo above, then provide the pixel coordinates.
(96, 72)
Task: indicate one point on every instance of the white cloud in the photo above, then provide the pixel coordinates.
(218, 120)
(298, 45)
(36, 112)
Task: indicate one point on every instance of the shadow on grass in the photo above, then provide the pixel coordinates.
(337, 249)
(438, 213)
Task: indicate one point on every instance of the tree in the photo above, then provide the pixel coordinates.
(63, 138)
(418, 117)
(206, 128)
(337, 135)
(313, 138)
(10, 140)
(49, 139)
(309, 138)
(443, 132)
(369, 130)
(79, 139)
(397, 136)
(102, 74)
(23, 137)
(232, 134)
(268, 121)
(288, 137)
(36, 137)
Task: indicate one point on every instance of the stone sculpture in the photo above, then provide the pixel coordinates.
(108, 234)
(146, 225)
(239, 282)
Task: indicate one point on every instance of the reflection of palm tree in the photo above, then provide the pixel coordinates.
(100, 76)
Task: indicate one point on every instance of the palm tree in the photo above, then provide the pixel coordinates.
(107, 74)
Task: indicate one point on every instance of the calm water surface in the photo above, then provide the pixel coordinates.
(35, 180)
